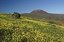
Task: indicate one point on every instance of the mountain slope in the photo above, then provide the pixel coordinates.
(38, 11)
(43, 15)
(29, 30)
(40, 14)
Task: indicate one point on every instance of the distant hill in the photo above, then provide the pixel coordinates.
(40, 14)
(39, 11)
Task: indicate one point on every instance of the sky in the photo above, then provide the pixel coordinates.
(26, 6)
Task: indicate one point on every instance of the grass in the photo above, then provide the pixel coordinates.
(29, 30)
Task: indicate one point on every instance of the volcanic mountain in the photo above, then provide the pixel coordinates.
(39, 11)
(40, 14)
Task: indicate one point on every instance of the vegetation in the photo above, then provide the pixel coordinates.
(16, 15)
(27, 29)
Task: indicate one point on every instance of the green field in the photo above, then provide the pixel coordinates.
(27, 29)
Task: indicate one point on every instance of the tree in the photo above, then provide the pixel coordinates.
(16, 15)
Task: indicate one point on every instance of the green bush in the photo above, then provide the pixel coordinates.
(5, 35)
(16, 15)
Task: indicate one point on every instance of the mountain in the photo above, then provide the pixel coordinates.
(39, 11)
(40, 14)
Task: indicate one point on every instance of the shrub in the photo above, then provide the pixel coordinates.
(52, 22)
(16, 15)
(5, 35)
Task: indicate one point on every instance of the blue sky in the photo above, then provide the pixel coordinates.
(24, 6)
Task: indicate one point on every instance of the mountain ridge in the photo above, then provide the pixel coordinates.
(38, 11)
(40, 14)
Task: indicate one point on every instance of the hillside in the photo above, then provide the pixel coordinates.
(43, 15)
(40, 14)
(27, 29)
